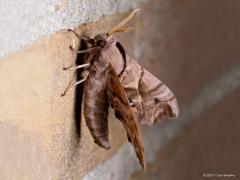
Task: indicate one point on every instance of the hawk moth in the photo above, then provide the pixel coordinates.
(112, 78)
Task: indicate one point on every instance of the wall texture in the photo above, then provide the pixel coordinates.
(192, 46)
(23, 22)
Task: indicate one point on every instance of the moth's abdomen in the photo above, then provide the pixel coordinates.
(96, 108)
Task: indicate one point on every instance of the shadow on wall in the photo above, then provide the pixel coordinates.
(79, 93)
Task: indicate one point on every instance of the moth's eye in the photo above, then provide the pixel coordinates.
(91, 41)
(101, 43)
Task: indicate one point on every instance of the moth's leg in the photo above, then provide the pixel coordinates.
(79, 82)
(75, 33)
(76, 67)
(84, 75)
(89, 50)
(71, 85)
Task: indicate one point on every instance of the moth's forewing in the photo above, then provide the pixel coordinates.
(95, 100)
(119, 101)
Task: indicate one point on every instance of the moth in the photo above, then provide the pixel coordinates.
(112, 78)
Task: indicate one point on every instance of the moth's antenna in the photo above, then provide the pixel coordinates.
(128, 18)
(123, 29)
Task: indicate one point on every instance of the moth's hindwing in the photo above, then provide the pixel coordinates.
(153, 99)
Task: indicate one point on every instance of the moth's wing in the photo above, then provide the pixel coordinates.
(119, 101)
(152, 98)
(158, 100)
(96, 102)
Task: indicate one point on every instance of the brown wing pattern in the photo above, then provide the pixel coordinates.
(96, 103)
(119, 101)
(159, 102)
(153, 99)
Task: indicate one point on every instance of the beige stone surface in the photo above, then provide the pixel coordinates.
(38, 134)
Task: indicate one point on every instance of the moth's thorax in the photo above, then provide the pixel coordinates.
(113, 54)
(108, 51)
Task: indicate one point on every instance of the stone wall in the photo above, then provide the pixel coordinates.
(192, 46)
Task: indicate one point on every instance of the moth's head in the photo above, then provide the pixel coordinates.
(101, 39)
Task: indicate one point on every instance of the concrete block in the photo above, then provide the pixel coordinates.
(38, 131)
(23, 22)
